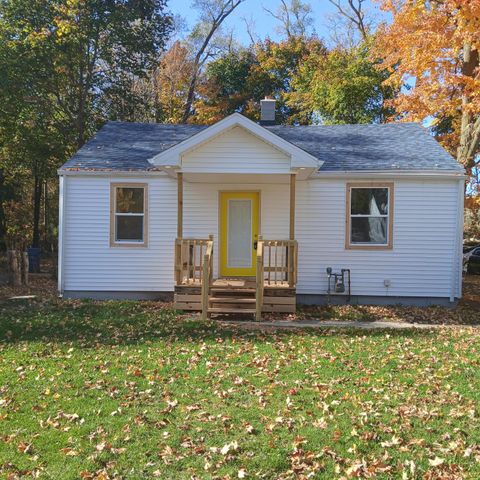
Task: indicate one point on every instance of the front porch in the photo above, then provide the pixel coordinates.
(270, 285)
(273, 289)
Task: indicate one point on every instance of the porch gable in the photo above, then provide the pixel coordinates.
(236, 139)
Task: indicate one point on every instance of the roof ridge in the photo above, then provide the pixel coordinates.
(121, 122)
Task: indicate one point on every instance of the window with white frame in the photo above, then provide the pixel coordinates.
(129, 214)
(369, 215)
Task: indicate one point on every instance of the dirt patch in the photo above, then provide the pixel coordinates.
(43, 285)
(467, 312)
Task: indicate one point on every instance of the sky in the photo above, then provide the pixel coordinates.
(264, 23)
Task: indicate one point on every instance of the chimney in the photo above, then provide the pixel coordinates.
(267, 111)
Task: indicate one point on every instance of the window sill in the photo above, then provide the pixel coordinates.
(128, 245)
(368, 247)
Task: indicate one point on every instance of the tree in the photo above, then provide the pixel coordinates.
(238, 80)
(225, 87)
(66, 67)
(212, 14)
(295, 18)
(165, 90)
(354, 14)
(432, 47)
(103, 45)
(342, 86)
(277, 65)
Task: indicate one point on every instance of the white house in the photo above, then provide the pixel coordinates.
(240, 215)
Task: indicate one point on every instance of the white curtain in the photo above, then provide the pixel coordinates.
(377, 227)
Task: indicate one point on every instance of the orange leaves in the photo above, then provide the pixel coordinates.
(425, 48)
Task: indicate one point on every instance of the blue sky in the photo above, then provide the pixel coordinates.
(264, 23)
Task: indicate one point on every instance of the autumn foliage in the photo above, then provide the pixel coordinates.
(431, 48)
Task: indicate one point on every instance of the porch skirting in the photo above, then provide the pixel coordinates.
(302, 299)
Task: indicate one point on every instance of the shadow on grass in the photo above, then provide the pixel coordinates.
(89, 323)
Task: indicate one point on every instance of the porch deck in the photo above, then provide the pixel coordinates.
(273, 289)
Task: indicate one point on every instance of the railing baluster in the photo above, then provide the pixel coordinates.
(269, 263)
(276, 261)
(194, 261)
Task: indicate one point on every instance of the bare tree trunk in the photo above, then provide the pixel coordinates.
(24, 269)
(14, 268)
(2, 213)
(354, 15)
(37, 199)
(470, 126)
(227, 8)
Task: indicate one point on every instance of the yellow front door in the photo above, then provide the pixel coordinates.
(239, 218)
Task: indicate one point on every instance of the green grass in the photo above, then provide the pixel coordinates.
(129, 390)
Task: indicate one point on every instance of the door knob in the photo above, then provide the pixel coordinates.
(255, 245)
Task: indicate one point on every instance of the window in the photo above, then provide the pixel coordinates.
(369, 216)
(128, 223)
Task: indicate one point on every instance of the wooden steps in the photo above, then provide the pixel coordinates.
(232, 300)
(232, 310)
(236, 296)
(238, 299)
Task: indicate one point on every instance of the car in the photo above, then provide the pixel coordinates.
(471, 259)
(469, 248)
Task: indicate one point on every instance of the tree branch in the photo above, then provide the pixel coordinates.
(227, 8)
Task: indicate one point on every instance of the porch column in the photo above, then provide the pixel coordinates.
(292, 206)
(179, 205)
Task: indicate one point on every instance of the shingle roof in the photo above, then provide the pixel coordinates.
(122, 146)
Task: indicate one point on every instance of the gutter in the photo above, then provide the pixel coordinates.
(110, 173)
(389, 173)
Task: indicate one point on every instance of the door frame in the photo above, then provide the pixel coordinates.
(219, 203)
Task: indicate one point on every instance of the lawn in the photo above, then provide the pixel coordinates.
(100, 390)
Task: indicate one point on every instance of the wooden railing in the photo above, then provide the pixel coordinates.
(189, 260)
(207, 278)
(260, 274)
(276, 266)
(280, 262)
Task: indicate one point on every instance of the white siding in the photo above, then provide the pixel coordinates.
(201, 204)
(236, 151)
(89, 261)
(424, 230)
(420, 264)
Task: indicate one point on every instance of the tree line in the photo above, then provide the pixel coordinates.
(68, 66)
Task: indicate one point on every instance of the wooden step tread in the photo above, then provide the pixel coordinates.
(232, 290)
(231, 310)
(231, 300)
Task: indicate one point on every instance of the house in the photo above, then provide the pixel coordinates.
(259, 217)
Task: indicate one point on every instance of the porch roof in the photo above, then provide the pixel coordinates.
(125, 146)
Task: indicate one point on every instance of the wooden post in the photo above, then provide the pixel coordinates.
(206, 275)
(179, 204)
(259, 281)
(210, 267)
(290, 254)
(292, 206)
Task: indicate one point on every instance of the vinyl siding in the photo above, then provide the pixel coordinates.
(236, 151)
(424, 231)
(420, 263)
(89, 261)
(201, 210)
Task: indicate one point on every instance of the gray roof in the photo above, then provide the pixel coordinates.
(123, 146)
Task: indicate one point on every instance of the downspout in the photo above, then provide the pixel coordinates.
(61, 226)
(457, 260)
